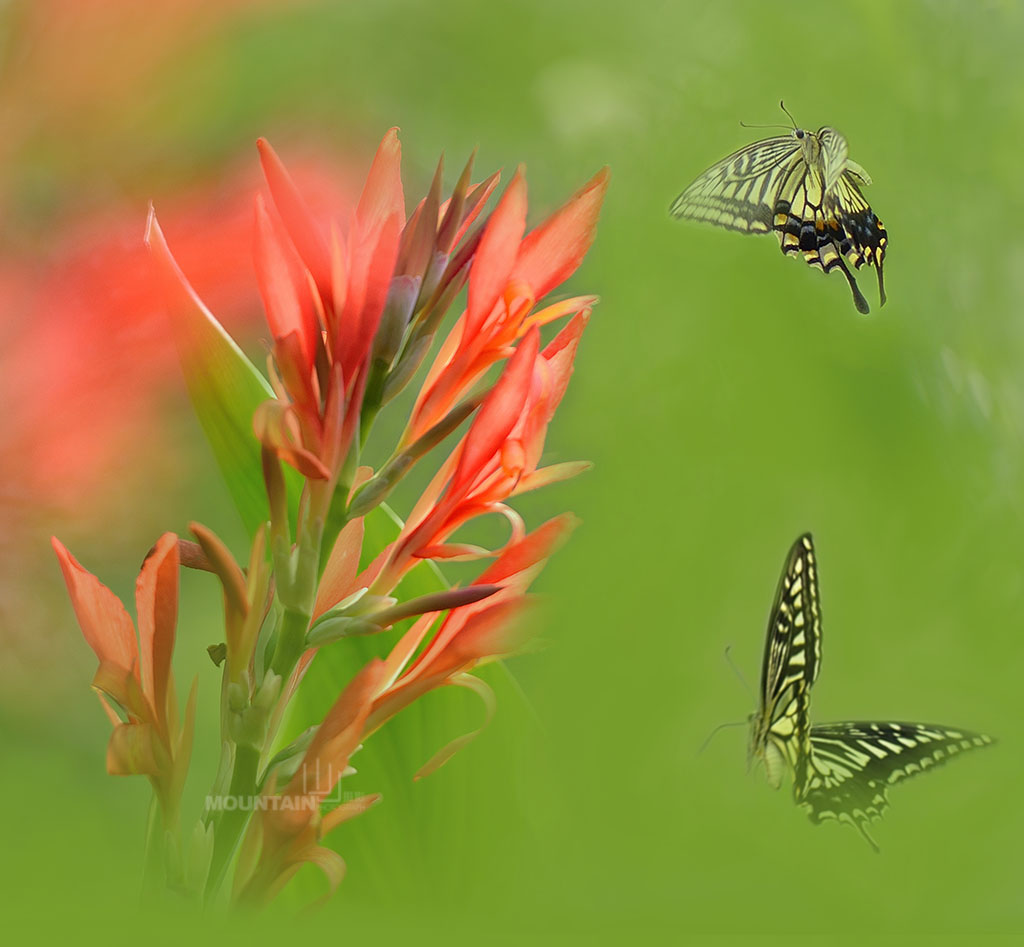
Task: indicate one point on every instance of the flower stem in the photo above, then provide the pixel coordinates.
(232, 822)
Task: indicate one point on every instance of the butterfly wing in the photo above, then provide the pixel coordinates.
(739, 192)
(852, 764)
(864, 237)
(792, 655)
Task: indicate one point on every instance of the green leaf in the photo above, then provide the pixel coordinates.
(225, 388)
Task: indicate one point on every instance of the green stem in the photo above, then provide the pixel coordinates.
(232, 822)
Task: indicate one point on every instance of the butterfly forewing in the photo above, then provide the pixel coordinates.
(738, 192)
(852, 764)
(779, 730)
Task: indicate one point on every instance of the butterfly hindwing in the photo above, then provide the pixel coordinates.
(852, 764)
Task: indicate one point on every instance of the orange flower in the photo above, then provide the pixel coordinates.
(290, 826)
(135, 673)
(496, 459)
(470, 635)
(508, 276)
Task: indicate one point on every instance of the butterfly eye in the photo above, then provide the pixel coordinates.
(799, 133)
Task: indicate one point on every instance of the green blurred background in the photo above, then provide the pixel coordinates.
(729, 398)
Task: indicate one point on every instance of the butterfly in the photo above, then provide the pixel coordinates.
(804, 187)
(842, 770)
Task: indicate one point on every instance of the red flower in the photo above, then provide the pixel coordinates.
(509, 275)
(496, 459)
(470, 635)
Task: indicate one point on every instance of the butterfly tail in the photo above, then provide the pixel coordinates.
(858, 297)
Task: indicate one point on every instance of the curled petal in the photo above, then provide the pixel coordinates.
(442, 756)
(276, 427)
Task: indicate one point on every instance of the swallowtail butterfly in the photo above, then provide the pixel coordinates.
(804, 187)
(843, 770)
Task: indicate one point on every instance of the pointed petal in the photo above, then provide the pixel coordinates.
(341, 569)
(551, 253)
(554, 473)
(532, 549)
(499, 412)
(307, 239)
(284, 285)
(339, 734)
(382, 195)
(496, 254)
(105, 624)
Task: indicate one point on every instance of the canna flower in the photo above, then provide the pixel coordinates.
(496, 459)
(471, 635)
(135, 672)
(324, 295)
(290, 827)
(509, 275)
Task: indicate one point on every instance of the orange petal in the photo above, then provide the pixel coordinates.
(297, 218)
(105, 623)
(551, 253)
(156, 600)
(283, 284)
(532, 549)
(339, 734)
(499, 412)
(341, 569)
(497, 253)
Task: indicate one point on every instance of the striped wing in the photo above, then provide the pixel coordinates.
(864, 237)
(852, 764)
(739, 192)
(792, 655)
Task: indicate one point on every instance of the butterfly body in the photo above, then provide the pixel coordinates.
(841, 771)
(804, 188)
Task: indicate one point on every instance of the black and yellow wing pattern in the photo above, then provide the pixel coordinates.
(805, 189)
(841, 771)
(780, 729)
(853, 763)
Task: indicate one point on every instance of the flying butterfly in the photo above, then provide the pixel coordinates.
(804, 187)
(841, 771)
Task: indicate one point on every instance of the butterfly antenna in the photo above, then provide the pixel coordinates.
(721, 726)
(782, 105)
(748, 125)
(738, 672)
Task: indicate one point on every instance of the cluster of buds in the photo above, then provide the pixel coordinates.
(354, 313)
